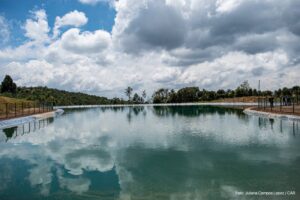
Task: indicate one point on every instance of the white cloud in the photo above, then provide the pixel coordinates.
(4, 30)
(227, 5)
(236, 67)
(94, 2)
(42, 70)
(37, 28)
(85, 42)
(158, 43)
(74, 18)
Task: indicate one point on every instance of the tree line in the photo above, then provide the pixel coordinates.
(57, 97)
(162, 95)
(194, 94)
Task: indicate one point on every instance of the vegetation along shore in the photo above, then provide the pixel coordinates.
(243, 93)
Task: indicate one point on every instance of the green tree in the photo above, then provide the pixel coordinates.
(128, 92)
(161, 96)
(278, 93)
(188, 94)
(137, 99)
(243, 89)
(8, 85)
(221, 93)
(172, 97)
(296, 90)
(144, 94)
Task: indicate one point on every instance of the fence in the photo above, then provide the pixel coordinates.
(286, 104)
(11, 110)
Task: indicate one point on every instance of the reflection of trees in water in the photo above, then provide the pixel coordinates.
(26, 128)
(265, 123)
(113, 108)
(194, 111)
(284, 126)
(9, 132)
(295, 128)
(103, 109)
(136, 110)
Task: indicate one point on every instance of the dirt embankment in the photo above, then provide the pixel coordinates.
(252, 99)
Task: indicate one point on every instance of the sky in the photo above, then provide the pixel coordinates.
(102, 46)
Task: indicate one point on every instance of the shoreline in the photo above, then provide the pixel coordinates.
(8, 123)
(59, 110)
(271, 115)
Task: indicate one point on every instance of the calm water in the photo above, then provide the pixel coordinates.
(187, 152)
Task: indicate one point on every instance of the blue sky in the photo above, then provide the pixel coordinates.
(101, 15)
(103, 46)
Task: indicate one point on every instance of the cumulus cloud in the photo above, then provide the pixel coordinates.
(74, 18)
(156, 24)
(86, 42)
(163, 43)
(206, 29)
(37, 28)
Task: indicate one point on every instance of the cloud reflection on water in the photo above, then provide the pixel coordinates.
(176, 152)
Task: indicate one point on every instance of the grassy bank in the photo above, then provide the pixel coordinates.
(251, 99)
(4, 100)
(58, 97)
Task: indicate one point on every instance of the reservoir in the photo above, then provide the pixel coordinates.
(150, 152)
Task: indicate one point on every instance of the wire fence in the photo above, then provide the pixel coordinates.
(285, 104)
(12, 110)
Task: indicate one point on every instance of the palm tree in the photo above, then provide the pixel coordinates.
(144, 95)
(128, 92)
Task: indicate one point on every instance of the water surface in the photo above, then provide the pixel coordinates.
(178, 152)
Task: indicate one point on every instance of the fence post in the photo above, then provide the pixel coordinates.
(15, 109)
(280, 104)
(271, 107)
(293, 105)
(22, 108)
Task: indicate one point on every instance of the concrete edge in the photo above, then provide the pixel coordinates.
(249, 111)
(22, 120)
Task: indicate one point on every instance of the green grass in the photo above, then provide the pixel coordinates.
(4, 100)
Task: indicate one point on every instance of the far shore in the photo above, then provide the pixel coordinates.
(161, 104)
